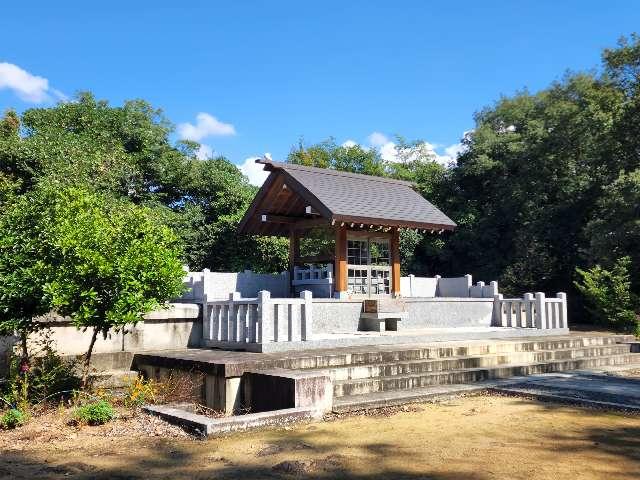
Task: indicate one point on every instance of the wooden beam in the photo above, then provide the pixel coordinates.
(311, 223)
(341, 261)
(279, 218)
(314, 259)
(395, 262)
(309, 210)
(294, 222)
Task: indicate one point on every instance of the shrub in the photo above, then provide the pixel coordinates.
(95, 413)
(608, 297)
(46, 375)
(12, 418)
(139, 392)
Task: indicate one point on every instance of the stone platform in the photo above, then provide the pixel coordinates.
(360, 376)
(354, 338)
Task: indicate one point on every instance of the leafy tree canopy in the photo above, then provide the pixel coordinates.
(126, 151)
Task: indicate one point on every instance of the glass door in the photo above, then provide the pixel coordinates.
(368, 266)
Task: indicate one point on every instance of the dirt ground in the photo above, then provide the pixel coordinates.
(484, 437)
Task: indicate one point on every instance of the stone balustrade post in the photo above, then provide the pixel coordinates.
(469, 283)
(494, 287)
(564, 320)
(528, 308)
(207, 331)
(265, 317)
(306, 331)
(497, 310)
(541, 311)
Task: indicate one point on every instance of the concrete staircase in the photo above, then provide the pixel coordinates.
(390, 376)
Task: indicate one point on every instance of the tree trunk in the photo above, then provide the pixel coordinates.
(87, 359)
(25, 349)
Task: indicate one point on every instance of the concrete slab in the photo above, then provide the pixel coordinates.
(206, 426)
(581, 387)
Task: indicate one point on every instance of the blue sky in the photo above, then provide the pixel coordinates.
(260, 74)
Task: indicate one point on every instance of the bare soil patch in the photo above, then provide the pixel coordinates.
(482, 437)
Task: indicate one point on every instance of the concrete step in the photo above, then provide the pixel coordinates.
(404, 382)
(466, 362)
(391, 398)
(390, 354)
(113, 379)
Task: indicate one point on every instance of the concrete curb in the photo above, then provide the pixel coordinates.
(206, 426)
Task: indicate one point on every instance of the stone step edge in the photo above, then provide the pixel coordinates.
(468, 357)
(479, 369)
(393, 398)
(614, 341)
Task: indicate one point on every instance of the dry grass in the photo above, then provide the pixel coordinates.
(476, 438)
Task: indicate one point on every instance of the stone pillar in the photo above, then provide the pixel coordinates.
(564, 320)
(528, 308)
(306, 331)
(469, 283)
(265, 317)
(207, 332)
(493, 286)
(541, 313)
(204, 283)
(497, 310)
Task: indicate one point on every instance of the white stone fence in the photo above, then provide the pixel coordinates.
(531, 311)
(257, 320)
(219, 285)
(459, 287)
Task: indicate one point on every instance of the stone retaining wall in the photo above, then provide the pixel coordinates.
(177, 327)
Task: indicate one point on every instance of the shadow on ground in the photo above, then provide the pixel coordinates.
(178, 463)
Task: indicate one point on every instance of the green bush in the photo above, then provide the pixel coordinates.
(45, 376)
(95, 413)
(608, 297)
(12, 418)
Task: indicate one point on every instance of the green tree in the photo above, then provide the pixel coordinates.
(328, 154)
(114, 262)
(25, 268)
(614, 230)
(608, 295)
(126, 151)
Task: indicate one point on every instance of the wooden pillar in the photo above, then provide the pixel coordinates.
(340, 277)
(395, 262)
(294, 253)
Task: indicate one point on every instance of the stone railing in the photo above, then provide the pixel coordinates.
(219, 285)
(454, 287)
(257, 320)
(313, 274)
(531, 311)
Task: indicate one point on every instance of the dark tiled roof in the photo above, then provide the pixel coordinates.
(352, 197)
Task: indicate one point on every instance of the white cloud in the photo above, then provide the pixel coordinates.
(388, 152)
(206, 126)
(253, 171)
(28, 87)
(377, 139)
(204, 152)
(454, 150)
